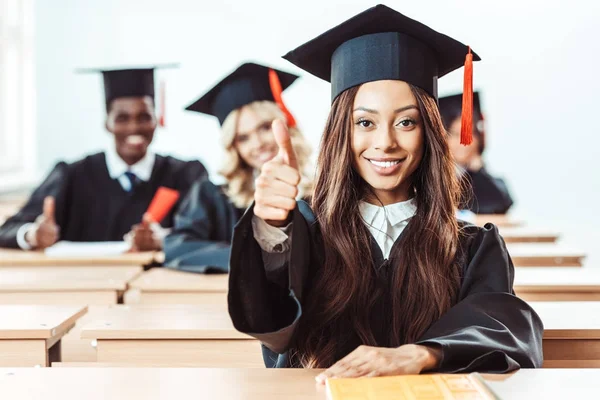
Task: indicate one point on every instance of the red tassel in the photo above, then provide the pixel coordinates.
(276, 90)
(161, 118)
(466, 129)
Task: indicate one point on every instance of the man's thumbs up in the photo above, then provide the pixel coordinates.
(45, 232)
(49, 208)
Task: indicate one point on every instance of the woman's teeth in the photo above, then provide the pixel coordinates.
(384, 164)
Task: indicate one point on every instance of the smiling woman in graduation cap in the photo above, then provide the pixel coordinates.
(104, 196)
(377, 276)
(245, 102)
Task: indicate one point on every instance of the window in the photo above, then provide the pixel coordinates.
(17, 101)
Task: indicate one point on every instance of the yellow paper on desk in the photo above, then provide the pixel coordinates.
(409, 387)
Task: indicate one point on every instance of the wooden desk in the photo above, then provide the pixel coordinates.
(30, 335)
(250, 384)
(528, 235)
(167, 286)
(179, 335)
(500, 220)
(545, 255)
(527, 384)
(15, 258)
(64, 285)
(571, 333)
(558, 284)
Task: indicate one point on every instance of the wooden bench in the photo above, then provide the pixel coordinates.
(528, 235)
(167, 286)
(177, 335)
(15, 258)
(30, 335)
(64, 285)
(251, 384)
(558, 284)
(545, 255)
(571, 333)
(500, 220)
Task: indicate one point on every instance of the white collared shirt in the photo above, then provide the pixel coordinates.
(385, 224)
(117, 168)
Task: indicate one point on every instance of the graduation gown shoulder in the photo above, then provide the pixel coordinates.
(489, 329)
(201, 237)
(490, 195)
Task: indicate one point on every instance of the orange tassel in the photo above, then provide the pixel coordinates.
(276, 90)
(161, 118)
(466, 129)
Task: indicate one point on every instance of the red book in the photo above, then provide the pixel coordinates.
(162, 203)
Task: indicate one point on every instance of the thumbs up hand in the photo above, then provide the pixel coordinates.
(146, 236)
(45, 231)
(277, 184)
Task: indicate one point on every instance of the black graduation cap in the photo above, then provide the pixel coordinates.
(127, 82)
(451, 108)
(248, 83)
(380, 44)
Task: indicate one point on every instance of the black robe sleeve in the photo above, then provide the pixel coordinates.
(490, 195)
(201, 236)
(489, 329)
(56, 185)
(268, 307)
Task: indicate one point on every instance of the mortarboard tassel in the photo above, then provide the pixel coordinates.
(276, 91)
(466, 129)
(161, 118)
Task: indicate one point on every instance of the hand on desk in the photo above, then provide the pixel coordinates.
(368, 361)
(45, 232)
(146, 236)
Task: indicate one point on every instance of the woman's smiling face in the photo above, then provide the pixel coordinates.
(387, 138)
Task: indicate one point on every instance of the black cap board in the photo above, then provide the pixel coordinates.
(248, 83)
(380, 44)
(127, 82)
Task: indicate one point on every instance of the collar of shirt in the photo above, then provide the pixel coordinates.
(387, 223)
(117, 167)
(393, 213)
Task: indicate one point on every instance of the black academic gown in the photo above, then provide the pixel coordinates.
(489, 195)
(201, 237)
(91, 206)
(489, 329)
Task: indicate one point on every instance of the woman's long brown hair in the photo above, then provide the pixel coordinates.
(425, 274)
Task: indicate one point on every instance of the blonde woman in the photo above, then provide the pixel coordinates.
(246, 103)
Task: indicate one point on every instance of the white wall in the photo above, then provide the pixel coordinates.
(538, 77)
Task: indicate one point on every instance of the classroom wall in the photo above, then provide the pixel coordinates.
(538, 79)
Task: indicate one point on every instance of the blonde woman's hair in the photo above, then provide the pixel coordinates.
(239, 175)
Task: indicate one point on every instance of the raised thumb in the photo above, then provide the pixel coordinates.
(284, 142)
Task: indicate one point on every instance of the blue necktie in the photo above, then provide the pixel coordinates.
(132, 180)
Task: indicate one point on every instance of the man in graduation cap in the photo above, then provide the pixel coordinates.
(104, 196)
(487, 194)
